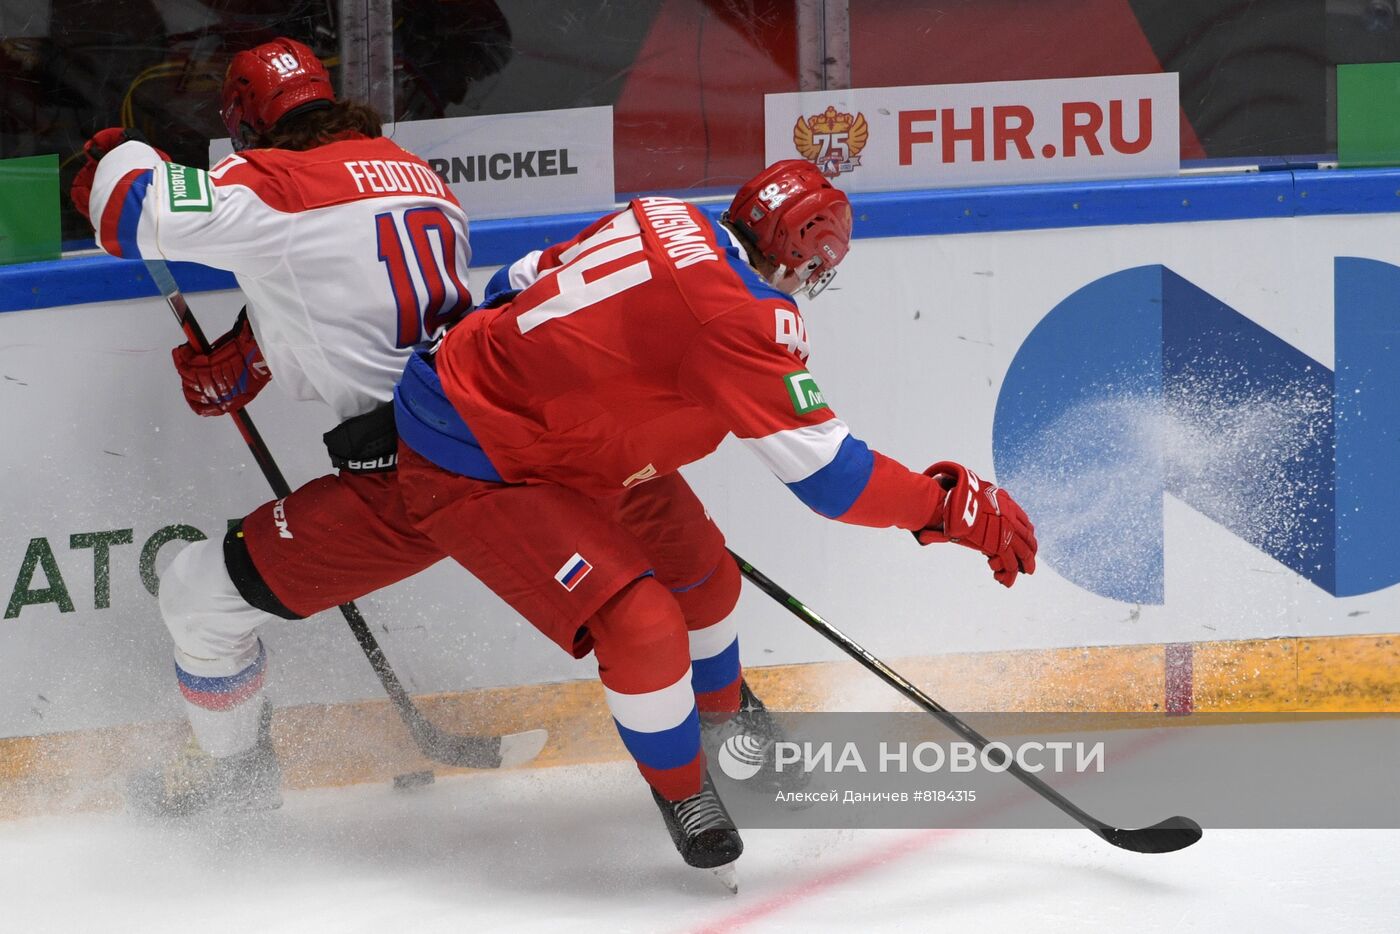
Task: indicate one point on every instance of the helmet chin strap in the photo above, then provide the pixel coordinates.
(776, 279)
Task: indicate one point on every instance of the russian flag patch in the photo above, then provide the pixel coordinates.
(573, 571)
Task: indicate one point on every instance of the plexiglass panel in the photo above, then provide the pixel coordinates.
(71, 67)
(1257, 78)
(685, 78)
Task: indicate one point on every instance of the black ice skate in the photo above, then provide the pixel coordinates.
(196, 782)
(703, 833)
(750, 737)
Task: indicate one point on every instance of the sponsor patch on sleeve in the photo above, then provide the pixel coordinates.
(802, 389)
(188, 188)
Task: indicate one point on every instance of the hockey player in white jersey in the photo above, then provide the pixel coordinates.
(350, 251)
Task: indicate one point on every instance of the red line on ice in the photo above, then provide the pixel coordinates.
(826, 880)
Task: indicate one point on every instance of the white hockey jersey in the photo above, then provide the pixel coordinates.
(349, 254)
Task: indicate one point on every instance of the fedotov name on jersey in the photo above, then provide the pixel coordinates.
(388, 175)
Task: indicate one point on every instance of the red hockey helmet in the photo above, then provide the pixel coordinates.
(266, 83)
(798, 220)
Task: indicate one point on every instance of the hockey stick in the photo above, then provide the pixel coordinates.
(1174, 833)
(474, 752)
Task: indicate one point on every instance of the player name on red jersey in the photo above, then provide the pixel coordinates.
(678, 231)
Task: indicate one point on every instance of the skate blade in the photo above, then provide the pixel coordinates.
(519, 748)
(729, 875)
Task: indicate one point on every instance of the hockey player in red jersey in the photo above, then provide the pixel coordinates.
(349, 250)
(540, 438)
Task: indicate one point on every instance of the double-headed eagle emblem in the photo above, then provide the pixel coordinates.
(832, 140)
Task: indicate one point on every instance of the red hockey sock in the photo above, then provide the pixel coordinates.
(643, 662)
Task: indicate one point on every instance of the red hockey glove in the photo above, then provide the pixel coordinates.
(102, 142)
(228, 376)
(978, 514)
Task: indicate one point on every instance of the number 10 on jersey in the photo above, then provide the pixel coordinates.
(427, 235)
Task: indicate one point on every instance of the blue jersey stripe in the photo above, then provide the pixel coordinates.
(429, 425)
(664, 749)
(130, 217)
(752, 280)
(834, 488)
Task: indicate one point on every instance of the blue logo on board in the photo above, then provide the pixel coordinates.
(1142, 384)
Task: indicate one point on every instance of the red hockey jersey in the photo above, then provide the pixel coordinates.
(634, 349)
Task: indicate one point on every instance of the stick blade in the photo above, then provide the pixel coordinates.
(519, 748)
(1172, 834)
(477, 752)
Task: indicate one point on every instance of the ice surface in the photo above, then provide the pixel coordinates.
(582, 849)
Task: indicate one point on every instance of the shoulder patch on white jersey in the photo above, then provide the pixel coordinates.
(188, 188)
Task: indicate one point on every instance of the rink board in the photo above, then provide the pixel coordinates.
(363, 741)
(915, 346)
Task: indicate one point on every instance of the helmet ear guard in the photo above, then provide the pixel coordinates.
(798, 221)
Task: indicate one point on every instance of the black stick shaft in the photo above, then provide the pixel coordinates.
(901, 684)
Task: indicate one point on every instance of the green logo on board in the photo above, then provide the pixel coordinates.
(802, 388)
